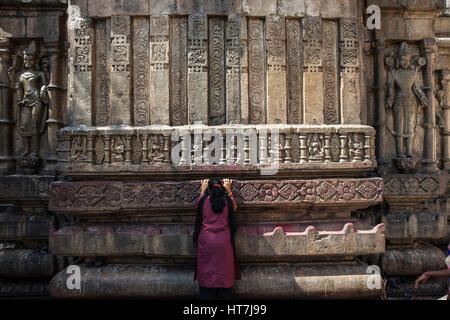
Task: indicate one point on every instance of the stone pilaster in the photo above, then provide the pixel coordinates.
(429, 161)
(55, 92)
(198, 69)
(120, 70)
(7, 162)
(313, 71)
(276, 69)
(159, 70)
(233, 73)
(350, 86)
(445, 157)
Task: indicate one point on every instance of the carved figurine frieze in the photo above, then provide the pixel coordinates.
(32, 99)
(404, 100)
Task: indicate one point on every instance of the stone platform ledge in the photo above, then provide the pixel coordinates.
(109, 198)
(334, 281)
(411, 189)
(24, 263)
(16, 225)
(411, 260)
(176, 241)
(409, 226)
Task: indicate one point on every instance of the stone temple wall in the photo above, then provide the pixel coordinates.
(336, 138)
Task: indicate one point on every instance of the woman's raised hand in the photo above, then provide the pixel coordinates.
(204, 186)
(227, 184)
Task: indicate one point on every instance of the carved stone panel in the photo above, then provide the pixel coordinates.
(198, 69)
(330, 73)
(120, 70)
(217, 112)
(257, 74)
(313, 76)
(350, 87)
(102, 83)
(141, 71)
(295, 71)
(276, 69)
(233, 72)
(179, 112)
(159, 62)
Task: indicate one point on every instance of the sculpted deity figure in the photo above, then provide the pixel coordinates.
(157, 153)
(315, 147)
(356, 148)
(403, 96)
(32, 97)
(117, 150)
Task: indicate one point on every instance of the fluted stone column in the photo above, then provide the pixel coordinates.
(6, 122)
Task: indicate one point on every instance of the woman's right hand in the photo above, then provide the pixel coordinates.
(422, 279)
(227, 185)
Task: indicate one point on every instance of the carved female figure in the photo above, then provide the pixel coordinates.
(32, 97)
(403, 92)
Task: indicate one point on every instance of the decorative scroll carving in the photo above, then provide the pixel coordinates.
(295, 72)
(120, 46)
(82, 61)
(159, 61)
(141, 71)
(120, 67)
(102, 104)
(198, 69)
(330, 73)
(416, 184)
(312, 38)
(179, 71)
(256, 60)
(233, 65)
(217, 113)
(349, 46)
(313, 80)
(85, 196)
(276, 69)
(404, 96)
(244, 71)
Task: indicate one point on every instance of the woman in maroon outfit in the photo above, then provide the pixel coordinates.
(215, 226)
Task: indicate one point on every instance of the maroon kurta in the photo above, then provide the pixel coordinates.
(215, 253)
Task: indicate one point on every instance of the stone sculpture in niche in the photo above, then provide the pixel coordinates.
(404, 98)
(32, 99)
(315, 148)
(117, 150)
(356, 149)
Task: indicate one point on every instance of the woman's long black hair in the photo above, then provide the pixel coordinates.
(218, 198)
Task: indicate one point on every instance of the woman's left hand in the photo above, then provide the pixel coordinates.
(204, 187)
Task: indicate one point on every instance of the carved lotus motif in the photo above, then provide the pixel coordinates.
(269, 192)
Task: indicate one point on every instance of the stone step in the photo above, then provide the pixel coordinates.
(405, 287)
(23, 288)
(252, 241)
(335, 281)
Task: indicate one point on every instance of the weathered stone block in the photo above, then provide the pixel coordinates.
(16, 226)
(260, 8)
(23, 288)
(118, 7)
(18, 263)
(46, 27)
(12, 27)
(405, 287)
(258, 282)
(411, 261)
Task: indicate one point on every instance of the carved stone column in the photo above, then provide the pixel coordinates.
(430, 162)
(6, 122)
(54, 113)
(445, 158)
